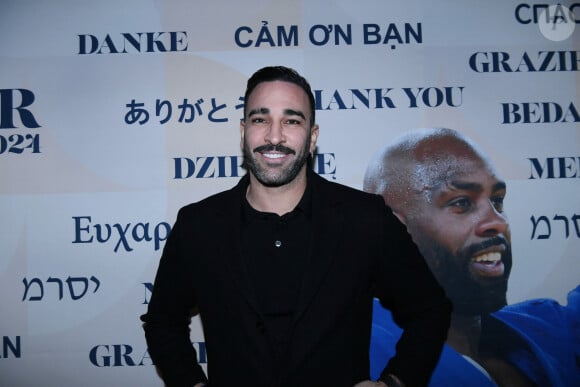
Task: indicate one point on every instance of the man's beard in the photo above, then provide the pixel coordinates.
(280, 176)
(469, 295)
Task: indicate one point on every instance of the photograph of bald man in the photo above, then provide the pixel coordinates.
(443, 187)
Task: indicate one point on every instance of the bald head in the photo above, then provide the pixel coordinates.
(415, 164)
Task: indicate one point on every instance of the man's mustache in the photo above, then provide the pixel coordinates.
(497, 240)
(274, 148)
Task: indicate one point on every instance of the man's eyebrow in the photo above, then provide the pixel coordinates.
(262, 110)
(466, 186)
(292, 112)
(476, 187)
(287, 112)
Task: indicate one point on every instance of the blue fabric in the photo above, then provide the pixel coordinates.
(540, 337)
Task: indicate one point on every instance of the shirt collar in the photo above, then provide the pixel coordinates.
(304, 205)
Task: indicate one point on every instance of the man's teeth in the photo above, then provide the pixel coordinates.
(274, 155)
(489, 257)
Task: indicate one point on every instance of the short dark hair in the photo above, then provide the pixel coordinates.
(280, 73)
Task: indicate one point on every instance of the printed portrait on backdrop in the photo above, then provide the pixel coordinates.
(443, 187)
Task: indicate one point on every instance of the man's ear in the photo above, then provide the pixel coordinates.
(242, 127)
(313, 138)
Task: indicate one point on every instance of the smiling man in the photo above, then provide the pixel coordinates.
(284, 266)
(446, 191)
(451, 199)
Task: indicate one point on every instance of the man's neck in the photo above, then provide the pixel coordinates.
(464, 333)
(278, 200)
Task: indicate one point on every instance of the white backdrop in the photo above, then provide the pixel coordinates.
(115, 114)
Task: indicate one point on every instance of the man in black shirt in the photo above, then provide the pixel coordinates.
(284, 266)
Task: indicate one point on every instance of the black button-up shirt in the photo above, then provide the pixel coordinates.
(275, 251)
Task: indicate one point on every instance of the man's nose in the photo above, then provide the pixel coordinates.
(492, 221)
(275, 133)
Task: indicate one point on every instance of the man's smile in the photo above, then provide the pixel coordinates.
(275, 154)
(488, 264)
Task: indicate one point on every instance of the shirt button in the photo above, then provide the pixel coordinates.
(278, 243)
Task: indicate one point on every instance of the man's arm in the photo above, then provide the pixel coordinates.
(166, 323)
(407, 287)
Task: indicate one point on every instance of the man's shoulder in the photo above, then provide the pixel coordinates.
(547, 307)
(217, 201)
(541, 315)
(343, 191)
